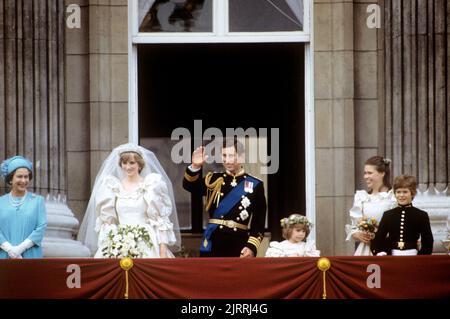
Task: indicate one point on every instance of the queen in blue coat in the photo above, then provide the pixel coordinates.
(22, 213)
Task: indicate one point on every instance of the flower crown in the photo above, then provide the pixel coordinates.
(295, 219)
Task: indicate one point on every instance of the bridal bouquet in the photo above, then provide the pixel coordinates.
(368, 225)
(126, 241)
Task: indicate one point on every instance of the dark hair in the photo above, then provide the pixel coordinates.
(233, 141)
(10, 176)
(406, 181)
(382, 165)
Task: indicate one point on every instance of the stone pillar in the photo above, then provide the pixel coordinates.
(108, 79)
(32, 109)
(97, 93)
(416, 102)
(334, 122)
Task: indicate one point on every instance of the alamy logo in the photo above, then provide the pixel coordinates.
(374, 19)
(212, 138)
(73, 20)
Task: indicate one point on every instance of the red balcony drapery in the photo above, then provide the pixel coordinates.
(229, 278)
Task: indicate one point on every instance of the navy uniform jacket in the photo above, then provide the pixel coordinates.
(227, 241)
(403, 224)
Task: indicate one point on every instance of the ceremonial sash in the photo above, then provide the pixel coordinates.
(225, 206)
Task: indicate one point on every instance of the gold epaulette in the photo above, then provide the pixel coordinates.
(213, 190)
(259, 179)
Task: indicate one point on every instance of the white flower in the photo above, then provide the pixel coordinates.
(244, 215)
(245, 202)
(126, 241)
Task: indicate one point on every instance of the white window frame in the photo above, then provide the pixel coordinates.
(220, 34)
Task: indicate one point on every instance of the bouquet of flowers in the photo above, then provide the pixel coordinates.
(369, 225)
(126, 241)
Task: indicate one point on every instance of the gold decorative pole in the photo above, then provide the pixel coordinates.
(324, 264)
(126, 264)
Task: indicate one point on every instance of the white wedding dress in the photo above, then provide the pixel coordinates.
(288, 249)
(367, 205)
(149, 205)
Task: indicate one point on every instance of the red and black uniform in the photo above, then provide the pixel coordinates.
(400, 228)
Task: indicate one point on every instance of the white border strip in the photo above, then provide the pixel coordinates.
(133, 123)
(230, 38)
(310, 161)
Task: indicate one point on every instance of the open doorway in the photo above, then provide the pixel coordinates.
(226, 86)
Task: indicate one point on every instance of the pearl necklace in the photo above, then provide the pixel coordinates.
(17, 203)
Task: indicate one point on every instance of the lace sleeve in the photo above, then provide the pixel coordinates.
(392, 199)
(274, 250)
(159, 208)
(310, 249)
(105, 208)
(356, 213)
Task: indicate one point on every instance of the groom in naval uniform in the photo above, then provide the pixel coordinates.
(235, 202)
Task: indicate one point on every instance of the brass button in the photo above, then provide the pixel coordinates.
(235, 229)
(401, 223)
(221, 226)
(401, 231)
(237, 218)
(223, 183)
(224, 175)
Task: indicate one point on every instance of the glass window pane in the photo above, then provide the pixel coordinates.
(265, 15)
(175, 15)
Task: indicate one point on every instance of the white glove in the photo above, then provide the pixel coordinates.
(26, 244)
(11, 250)
(381, 253)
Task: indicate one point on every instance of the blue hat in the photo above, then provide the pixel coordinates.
(11, 164)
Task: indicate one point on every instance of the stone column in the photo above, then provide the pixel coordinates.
(416, 102)
(32, 109)
(97, 93)
(108, 78)
(334, 122)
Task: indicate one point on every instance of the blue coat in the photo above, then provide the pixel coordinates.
(19, 223)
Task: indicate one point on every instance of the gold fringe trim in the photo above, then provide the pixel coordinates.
(213, 190)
